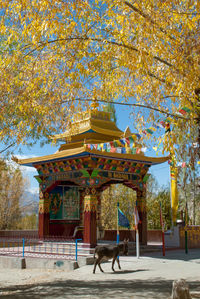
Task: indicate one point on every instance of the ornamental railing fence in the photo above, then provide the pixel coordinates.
(51, 248)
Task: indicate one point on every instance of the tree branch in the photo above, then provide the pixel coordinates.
(43, 44)
(5, 149)
(129, 104)
(148, 18)
(158, 78)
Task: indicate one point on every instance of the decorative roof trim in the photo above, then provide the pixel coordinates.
(71, 153)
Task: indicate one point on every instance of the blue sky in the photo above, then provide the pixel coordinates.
(161, 171)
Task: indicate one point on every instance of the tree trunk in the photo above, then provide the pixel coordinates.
(198, 123)
(180, 290)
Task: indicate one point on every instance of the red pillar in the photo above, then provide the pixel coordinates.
(90, 221)
(141, 206)
(43, 227)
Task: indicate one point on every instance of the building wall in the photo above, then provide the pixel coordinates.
(111, 235)
(62, 228)
(193, 236)
(154, 235)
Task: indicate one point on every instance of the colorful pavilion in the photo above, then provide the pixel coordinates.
(95, 155)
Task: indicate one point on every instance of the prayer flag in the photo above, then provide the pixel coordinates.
(171, 163)
(159, 125)
(186, 109)
(108, 147)
(98, 147)
(118, 150)
(138, 136)
(137, 218)
(167, 128)
(105, 146)
(113, 150)
(127, 140)
(162, 124)
(134, 137)
(115, 143)
(149, 131)
(122, 141)
(182, 111)
(152, 129)
(112, 143)
(131, 140)
(123, 150)
(133, 151)
(122, 219)
(138, 150)
(118, 143)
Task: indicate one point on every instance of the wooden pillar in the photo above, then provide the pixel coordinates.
(82, 195)
(90, 219)
(141, 206)
(44, 204)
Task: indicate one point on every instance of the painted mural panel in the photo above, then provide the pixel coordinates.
(56, 203)
(71, 204)
(64, 203)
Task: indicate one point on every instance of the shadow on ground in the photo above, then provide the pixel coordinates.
(95, 289)
(127, 271)
(177, 254)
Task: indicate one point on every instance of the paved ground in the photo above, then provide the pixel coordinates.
(148, 277)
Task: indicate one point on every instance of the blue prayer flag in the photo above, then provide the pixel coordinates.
(105, 146)
(138, 136)
(122, 220)
(122, 141)
(123, 150)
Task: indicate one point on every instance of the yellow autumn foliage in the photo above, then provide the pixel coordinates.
(55, 52)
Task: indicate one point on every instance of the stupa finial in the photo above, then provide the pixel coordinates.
(94, 106)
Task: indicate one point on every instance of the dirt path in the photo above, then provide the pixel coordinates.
(147, 277)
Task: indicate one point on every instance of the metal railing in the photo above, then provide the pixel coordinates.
(52, 248)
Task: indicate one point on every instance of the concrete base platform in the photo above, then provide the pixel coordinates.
(7, 262)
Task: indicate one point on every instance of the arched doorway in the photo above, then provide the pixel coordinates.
(117, 193)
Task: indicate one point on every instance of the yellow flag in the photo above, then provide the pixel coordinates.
(174, 192)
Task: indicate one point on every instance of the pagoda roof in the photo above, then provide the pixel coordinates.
(83, 152)
(89, 127)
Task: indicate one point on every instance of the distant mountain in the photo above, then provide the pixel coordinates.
(30, 203)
